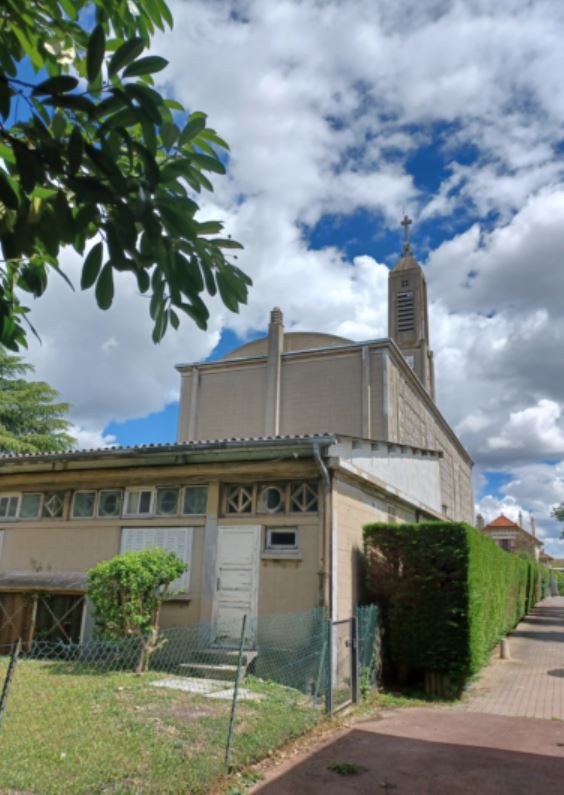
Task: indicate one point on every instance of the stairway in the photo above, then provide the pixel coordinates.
(218, 664)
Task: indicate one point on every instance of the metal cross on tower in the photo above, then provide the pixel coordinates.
(406, 223)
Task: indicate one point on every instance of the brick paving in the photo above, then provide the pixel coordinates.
(531, 683)
(497, 741)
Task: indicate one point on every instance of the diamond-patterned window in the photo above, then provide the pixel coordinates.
(272, 498)
(304, 497)
(239, 499)
(53, 504)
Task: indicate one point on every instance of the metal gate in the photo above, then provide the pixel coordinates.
(343, 686)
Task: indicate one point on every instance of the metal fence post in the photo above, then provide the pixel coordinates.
(229, 746)
(354, 661)
(329, 680)
(9, 674)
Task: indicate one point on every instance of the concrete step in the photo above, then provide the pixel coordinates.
(220, 657)
(209, 671)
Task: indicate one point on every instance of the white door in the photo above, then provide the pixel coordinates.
(236, 592)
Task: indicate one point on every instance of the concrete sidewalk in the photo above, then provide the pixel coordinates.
(531, 683)
(494, 742)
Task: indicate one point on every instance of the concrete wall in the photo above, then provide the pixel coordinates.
(413, 475)
(321, 393)
(412, 421)
(353, 507)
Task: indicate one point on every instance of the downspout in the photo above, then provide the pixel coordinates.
(326, 550)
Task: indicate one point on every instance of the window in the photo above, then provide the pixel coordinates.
(287, 497)
(53, 504)
(303, 497)
(281, 539)
(139, 502)
(109, 503)
(195, 499)
(9, 506)
(83, 504)
(167, 501)
(30, 506)
(405, 282)
(172, 539)
(1, 542)
(239, 499)
(271, 499)
(505, 544)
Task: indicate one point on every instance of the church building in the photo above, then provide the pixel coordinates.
(286, 447)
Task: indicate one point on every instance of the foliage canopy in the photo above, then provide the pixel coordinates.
(127, 593)
(94, 158)
(30, 419)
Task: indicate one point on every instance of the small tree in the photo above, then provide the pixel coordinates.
(127, 593)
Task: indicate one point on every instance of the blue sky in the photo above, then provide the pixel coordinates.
(341, 117)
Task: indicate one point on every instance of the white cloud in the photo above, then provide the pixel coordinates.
(323, 102)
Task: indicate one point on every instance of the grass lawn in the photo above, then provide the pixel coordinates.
(72, 731)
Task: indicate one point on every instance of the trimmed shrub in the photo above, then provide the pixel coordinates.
(448, 594)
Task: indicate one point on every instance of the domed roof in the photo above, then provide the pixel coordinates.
(406, 262)
(293, 341)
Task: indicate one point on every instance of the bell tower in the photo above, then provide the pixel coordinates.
(408, 323)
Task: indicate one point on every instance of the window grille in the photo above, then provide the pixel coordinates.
(303, 497)
(239, 499)
(53, 504)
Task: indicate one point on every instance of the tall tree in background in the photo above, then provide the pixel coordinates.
(558, 513)
(93, 158)
(30, 419)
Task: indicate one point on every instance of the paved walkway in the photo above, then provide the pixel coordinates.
(531, 683)
(498, 741)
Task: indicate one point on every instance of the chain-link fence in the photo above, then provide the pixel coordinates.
(76, 719)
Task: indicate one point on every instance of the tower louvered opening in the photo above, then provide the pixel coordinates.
(406, 311)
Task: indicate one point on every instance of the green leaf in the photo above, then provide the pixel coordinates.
(95, 53)
(145, 99)
(105, 287)
(221, 242)
(210, 227)
(194, 126)
(208, 163)
(128, 51)
(169, 134)
(145, 66)
(6, 94)
(56, 85)
(8, 196)
(26, 165)
(75, 150)
(91, 267)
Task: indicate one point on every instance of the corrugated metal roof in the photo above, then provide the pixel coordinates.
(44, 580)
(171, 447)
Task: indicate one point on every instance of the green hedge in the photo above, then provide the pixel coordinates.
(448, 593)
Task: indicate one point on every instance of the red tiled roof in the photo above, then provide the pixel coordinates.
(503, 522)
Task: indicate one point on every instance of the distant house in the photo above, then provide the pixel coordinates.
(512, 537)
(546, 559)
